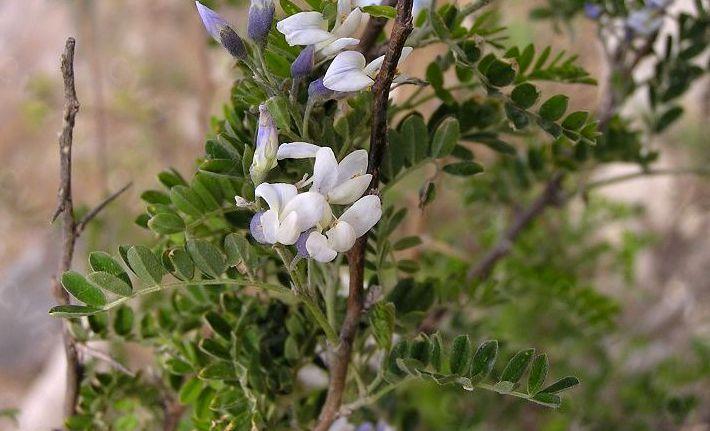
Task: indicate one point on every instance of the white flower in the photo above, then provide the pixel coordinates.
(267, 144)
(289, 213)
(349, 71)
(341, 183)
(354, 223)
(310, 28)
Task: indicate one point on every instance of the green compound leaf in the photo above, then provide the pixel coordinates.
(110, 282)
(561, 385)
(382, 319)
(380, 11)
(83, 290)
(73, 310)
(446, 137)
(145, 264)
(517, 366)
(554, 108)
(460, 357)
(100, 261)
(208, 258)
(166, 223)
(525, 95)
(538, 373)
(463, 169)
(484, 360)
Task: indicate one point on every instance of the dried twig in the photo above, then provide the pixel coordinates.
(65, 207)
(81, 225)
(70, 228)
(340, 359)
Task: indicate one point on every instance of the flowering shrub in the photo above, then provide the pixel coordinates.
(275, 294)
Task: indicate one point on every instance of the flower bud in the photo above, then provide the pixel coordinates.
(221, 31)
(592, 10)
(261, 15)
(267, 146)
(303, 64)
(317, 92)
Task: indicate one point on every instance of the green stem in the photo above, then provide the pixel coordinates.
(310, 305)
(307, 119)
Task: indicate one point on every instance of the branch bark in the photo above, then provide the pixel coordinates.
(65, 208)
(340, 360)
(70, 228)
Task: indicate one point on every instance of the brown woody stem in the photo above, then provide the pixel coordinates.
(340, 359)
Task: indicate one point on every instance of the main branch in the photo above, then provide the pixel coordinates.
(71, 229)
(340, 360)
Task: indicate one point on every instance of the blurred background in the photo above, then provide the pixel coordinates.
(148, 83)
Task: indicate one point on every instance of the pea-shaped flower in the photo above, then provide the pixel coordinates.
(349, 71)
(340, 183)
(311, 28)
(341, 236)
(289, 213)
(221, 31)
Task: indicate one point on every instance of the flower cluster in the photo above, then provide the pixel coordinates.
(308, 219)
(348, 72)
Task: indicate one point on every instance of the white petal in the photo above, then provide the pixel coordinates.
(276, 195)
(307, 37)
(301, 21)
(374, 66)
(350, 190)
(363, 214)
(296, 150)
(270, 226)
(288, 230)
(353, 80)
(344, 8)
(325, 171)
(345, 73)
(345, 61)
(352, 165)
(334, 47)
(318, 248)
(351, 24)
(308, 206)
(341, 237)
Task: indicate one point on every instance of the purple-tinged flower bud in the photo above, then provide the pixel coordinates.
(256, 229)
(303, 64)
(657, 4)
(261, 16)
(592, 10)
(301, 244)
(317, 92)
(221, 31)
(267, 146)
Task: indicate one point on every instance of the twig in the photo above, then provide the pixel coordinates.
(372, 31)
(340, 359)
(103, 356)
(81, 225)
(70, 228)
(65, 207)
(551, 195)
